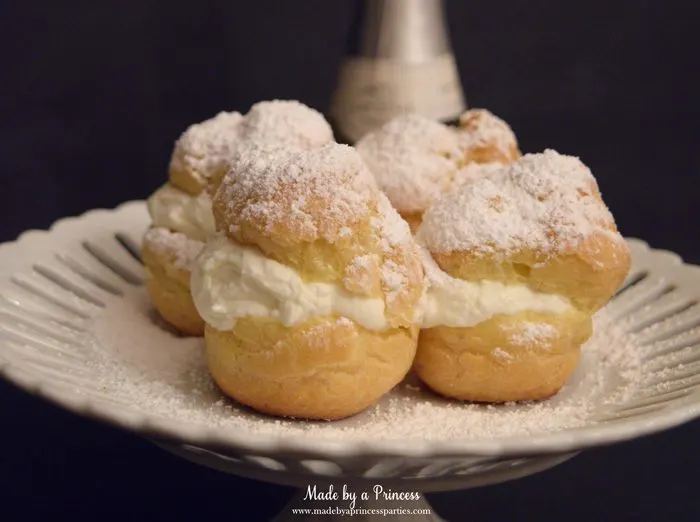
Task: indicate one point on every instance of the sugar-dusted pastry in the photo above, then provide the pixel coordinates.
(168, 257)
(181, 210)
(518, 261)
(286, 122)
(414, 160)
(486, 138)
(182, 218)
(280, 123)
(311, 291)
(201, 152)
(417, 160)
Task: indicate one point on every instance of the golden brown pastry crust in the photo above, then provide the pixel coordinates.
(496, 361)
(168, 285)
(322, 369)
(323, 236)
(201, 152)
(416, 160)
(201, 156)
(487, 138)
(588, 274)
(320, 213)
(585, 264)
(200, 159)
(414, 219)
(188, 179)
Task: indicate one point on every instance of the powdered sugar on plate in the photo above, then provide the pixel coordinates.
(165, 375)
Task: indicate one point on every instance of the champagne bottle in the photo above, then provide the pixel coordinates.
(399, 59)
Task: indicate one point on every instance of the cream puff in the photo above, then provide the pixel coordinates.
(416, 160)
(280, 123)
(168, 257)
(181, 210)
(518, 261)
(311, 290)
(182, 218)
(486, 138)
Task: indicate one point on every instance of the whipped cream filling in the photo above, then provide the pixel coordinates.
(231, 281)
(181, 212)
(457, 303)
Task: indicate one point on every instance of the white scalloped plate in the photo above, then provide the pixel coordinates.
(60, 288)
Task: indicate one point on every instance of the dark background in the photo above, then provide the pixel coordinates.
(93, 93)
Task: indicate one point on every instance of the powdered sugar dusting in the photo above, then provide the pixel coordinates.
(481, 128)
(173, 244)
(360, 274)
(166, 376)
(204, 147)
(325, 194)
(401, 271)
(317, 193)
(394, 278)
(393, 229)
(474, 171)
(546, 202)
(501, 355)
(285, 122)
(413, 159)
(140, 360)
(527, 333)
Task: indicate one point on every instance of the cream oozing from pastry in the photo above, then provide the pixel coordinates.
(457, 303)
(230, 281)
(178, 211)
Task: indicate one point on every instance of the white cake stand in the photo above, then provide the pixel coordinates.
(54, 283)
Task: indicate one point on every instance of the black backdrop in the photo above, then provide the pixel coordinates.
(93, 93)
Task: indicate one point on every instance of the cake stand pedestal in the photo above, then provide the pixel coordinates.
(381, 487)
(59, 286)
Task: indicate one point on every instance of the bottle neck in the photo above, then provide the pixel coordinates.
(399, 60)
(409, 31)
